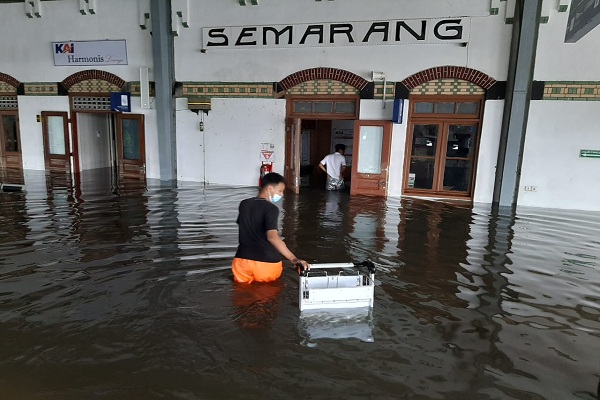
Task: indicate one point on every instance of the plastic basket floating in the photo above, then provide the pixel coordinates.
(337, 285)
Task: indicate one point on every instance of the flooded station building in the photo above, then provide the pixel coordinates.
(473, 100)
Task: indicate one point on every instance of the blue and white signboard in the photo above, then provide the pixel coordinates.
(93, 52)
(120, 102)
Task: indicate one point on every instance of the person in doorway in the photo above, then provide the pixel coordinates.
(258, 256)
(334, 165)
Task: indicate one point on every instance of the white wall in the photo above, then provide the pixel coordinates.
(32, 140)
(489, 38)
(190, 145)
(488, 151)
(557, 130)
(234, 130)
(28, 57)
(94, 141)
(560, 61)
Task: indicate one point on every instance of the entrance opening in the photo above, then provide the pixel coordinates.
(113, 141)
(318, 139)
(99, 140)
(314, 126)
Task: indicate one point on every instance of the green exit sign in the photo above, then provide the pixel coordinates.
(589, 153)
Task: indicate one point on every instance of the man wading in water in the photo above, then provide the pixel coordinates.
(258, 257)
(336, 164)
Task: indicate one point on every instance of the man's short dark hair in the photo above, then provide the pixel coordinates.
(272, 178)
(340, 146)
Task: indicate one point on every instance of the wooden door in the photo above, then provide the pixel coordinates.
(57, 145)
(371, 157)
(441, 158)
(131, 149)
(292, 154)
(11, 164)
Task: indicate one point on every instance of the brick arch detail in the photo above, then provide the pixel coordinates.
(323, 73)
(449, 71)
(92, 74)
(10, 80)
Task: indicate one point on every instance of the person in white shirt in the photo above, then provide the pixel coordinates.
(334, 165)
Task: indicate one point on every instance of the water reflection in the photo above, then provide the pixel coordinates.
(349, 323)
(123, 290)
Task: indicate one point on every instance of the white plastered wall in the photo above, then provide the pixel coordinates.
(488, 151)
(558, 129)
(93, 141)
(233, 132)
(28, 55)
(32, 139)
(397, 61)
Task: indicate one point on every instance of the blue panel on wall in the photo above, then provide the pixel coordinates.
(120, 102)
(398, 108)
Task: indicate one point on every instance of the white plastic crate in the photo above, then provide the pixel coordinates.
(321, 287)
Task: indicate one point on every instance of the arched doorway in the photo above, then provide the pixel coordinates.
(445, 119)
(323, 111)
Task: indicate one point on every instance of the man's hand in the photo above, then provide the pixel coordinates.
(301, 265)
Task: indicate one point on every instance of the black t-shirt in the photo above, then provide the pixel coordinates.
(256, 217)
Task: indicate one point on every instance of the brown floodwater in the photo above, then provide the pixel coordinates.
(126, 293)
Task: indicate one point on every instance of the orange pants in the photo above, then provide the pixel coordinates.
(248, 271)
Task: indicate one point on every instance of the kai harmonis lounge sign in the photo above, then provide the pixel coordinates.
(98, 52)
(332, 34)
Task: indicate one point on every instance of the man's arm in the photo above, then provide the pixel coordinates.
(322, 167)
(275, 240)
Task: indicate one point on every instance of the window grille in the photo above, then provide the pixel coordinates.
(8, 103)
(91, 103)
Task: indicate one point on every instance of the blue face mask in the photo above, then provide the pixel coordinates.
(276, 197)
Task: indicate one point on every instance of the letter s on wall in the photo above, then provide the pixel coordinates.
(217, 33)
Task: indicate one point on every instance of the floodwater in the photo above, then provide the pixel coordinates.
(126, 293)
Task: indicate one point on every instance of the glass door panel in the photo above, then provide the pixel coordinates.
(457, 175)
(461, 141)
(460, 156)
(423, 156)
(131, 139)
(131, 148)
(370, 145)
(10, 133)
(56, 135)
(371, 157)
(422, 172)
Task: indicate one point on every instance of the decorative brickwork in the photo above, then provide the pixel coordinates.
(390, 90)
(41, 89)
(322, 87)
(8, 84)
(94, 86)
(572, 90)
(95, 75)
(448, 87)
(228, 89)
(6, 88)
(322, 73)
(467, 74)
